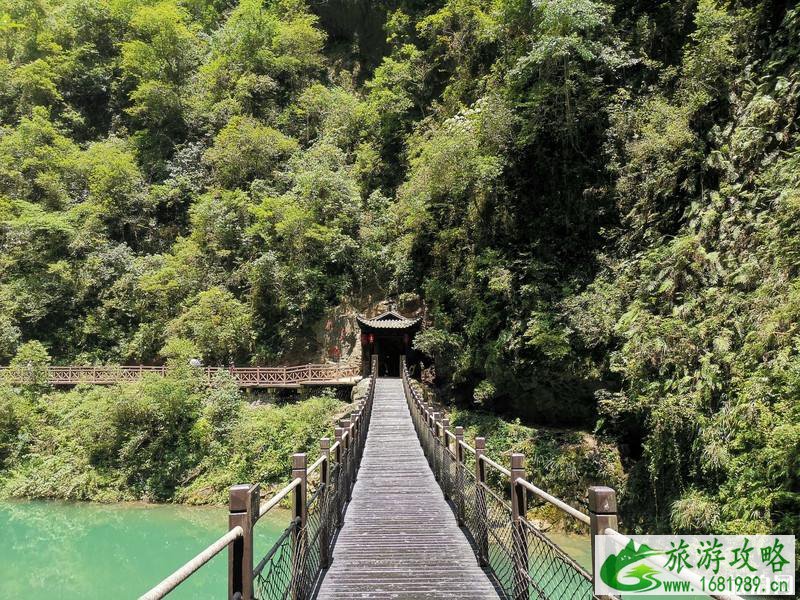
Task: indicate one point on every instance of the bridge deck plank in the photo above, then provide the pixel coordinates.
(400, 538)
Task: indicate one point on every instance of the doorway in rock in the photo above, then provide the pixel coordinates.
(389, 353)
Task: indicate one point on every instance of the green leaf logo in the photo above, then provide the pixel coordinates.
(626, 560)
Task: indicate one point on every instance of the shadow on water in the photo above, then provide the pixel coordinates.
(66, 551)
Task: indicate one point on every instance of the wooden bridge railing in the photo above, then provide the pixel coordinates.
(248, 377)
(523, 561)
(319, 494)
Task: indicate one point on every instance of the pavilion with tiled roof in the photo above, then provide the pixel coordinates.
(387, 336)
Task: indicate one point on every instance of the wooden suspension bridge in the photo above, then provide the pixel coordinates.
(246, 377)
(401, 506)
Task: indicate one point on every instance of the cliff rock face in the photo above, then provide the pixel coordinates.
(338, 336)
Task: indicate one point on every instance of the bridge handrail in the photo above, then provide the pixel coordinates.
(485, 459)
(192, 566)
(433, 428)
(267, 506)
(293, 565)
(316, 464)
(506, 542)
(495, 465)
(337, 465)
(466, 446)
(573, 512)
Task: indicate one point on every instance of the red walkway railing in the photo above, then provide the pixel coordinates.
(247, 377)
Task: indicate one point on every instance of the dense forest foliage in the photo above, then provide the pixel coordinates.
(597, 203)
(160, 439)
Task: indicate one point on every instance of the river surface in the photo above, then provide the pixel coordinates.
(71, 551)
(578, 547)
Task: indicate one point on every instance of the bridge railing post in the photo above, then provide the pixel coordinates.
(299, 516)
(337, 434)
(459, 432)
(418, 411)
(423, 418)
(446, 459)
(342, 481)
(435, 418)
(243, 506)
(352, 444)
(431, 437)
(602, 516)
(347, 458)
(422, 425)
(480, 503)
(359, 429)
(519, 509)
(355, 419)
(412, 403)
(324, 480)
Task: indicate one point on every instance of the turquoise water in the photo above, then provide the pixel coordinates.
(66, 551)
(578, 547)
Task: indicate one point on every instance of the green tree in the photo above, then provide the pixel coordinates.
(9, 337)
(218, 324)
(30, 365)
(260, 57)
(157, 63)
(38, 162)
(246, 150)
(116, 189)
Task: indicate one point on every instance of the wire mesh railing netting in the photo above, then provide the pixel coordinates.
(499, 537)
(523, 561)
(335, 500)
(311, 551)
(292, 567)
(551, 572)
(272, 577)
